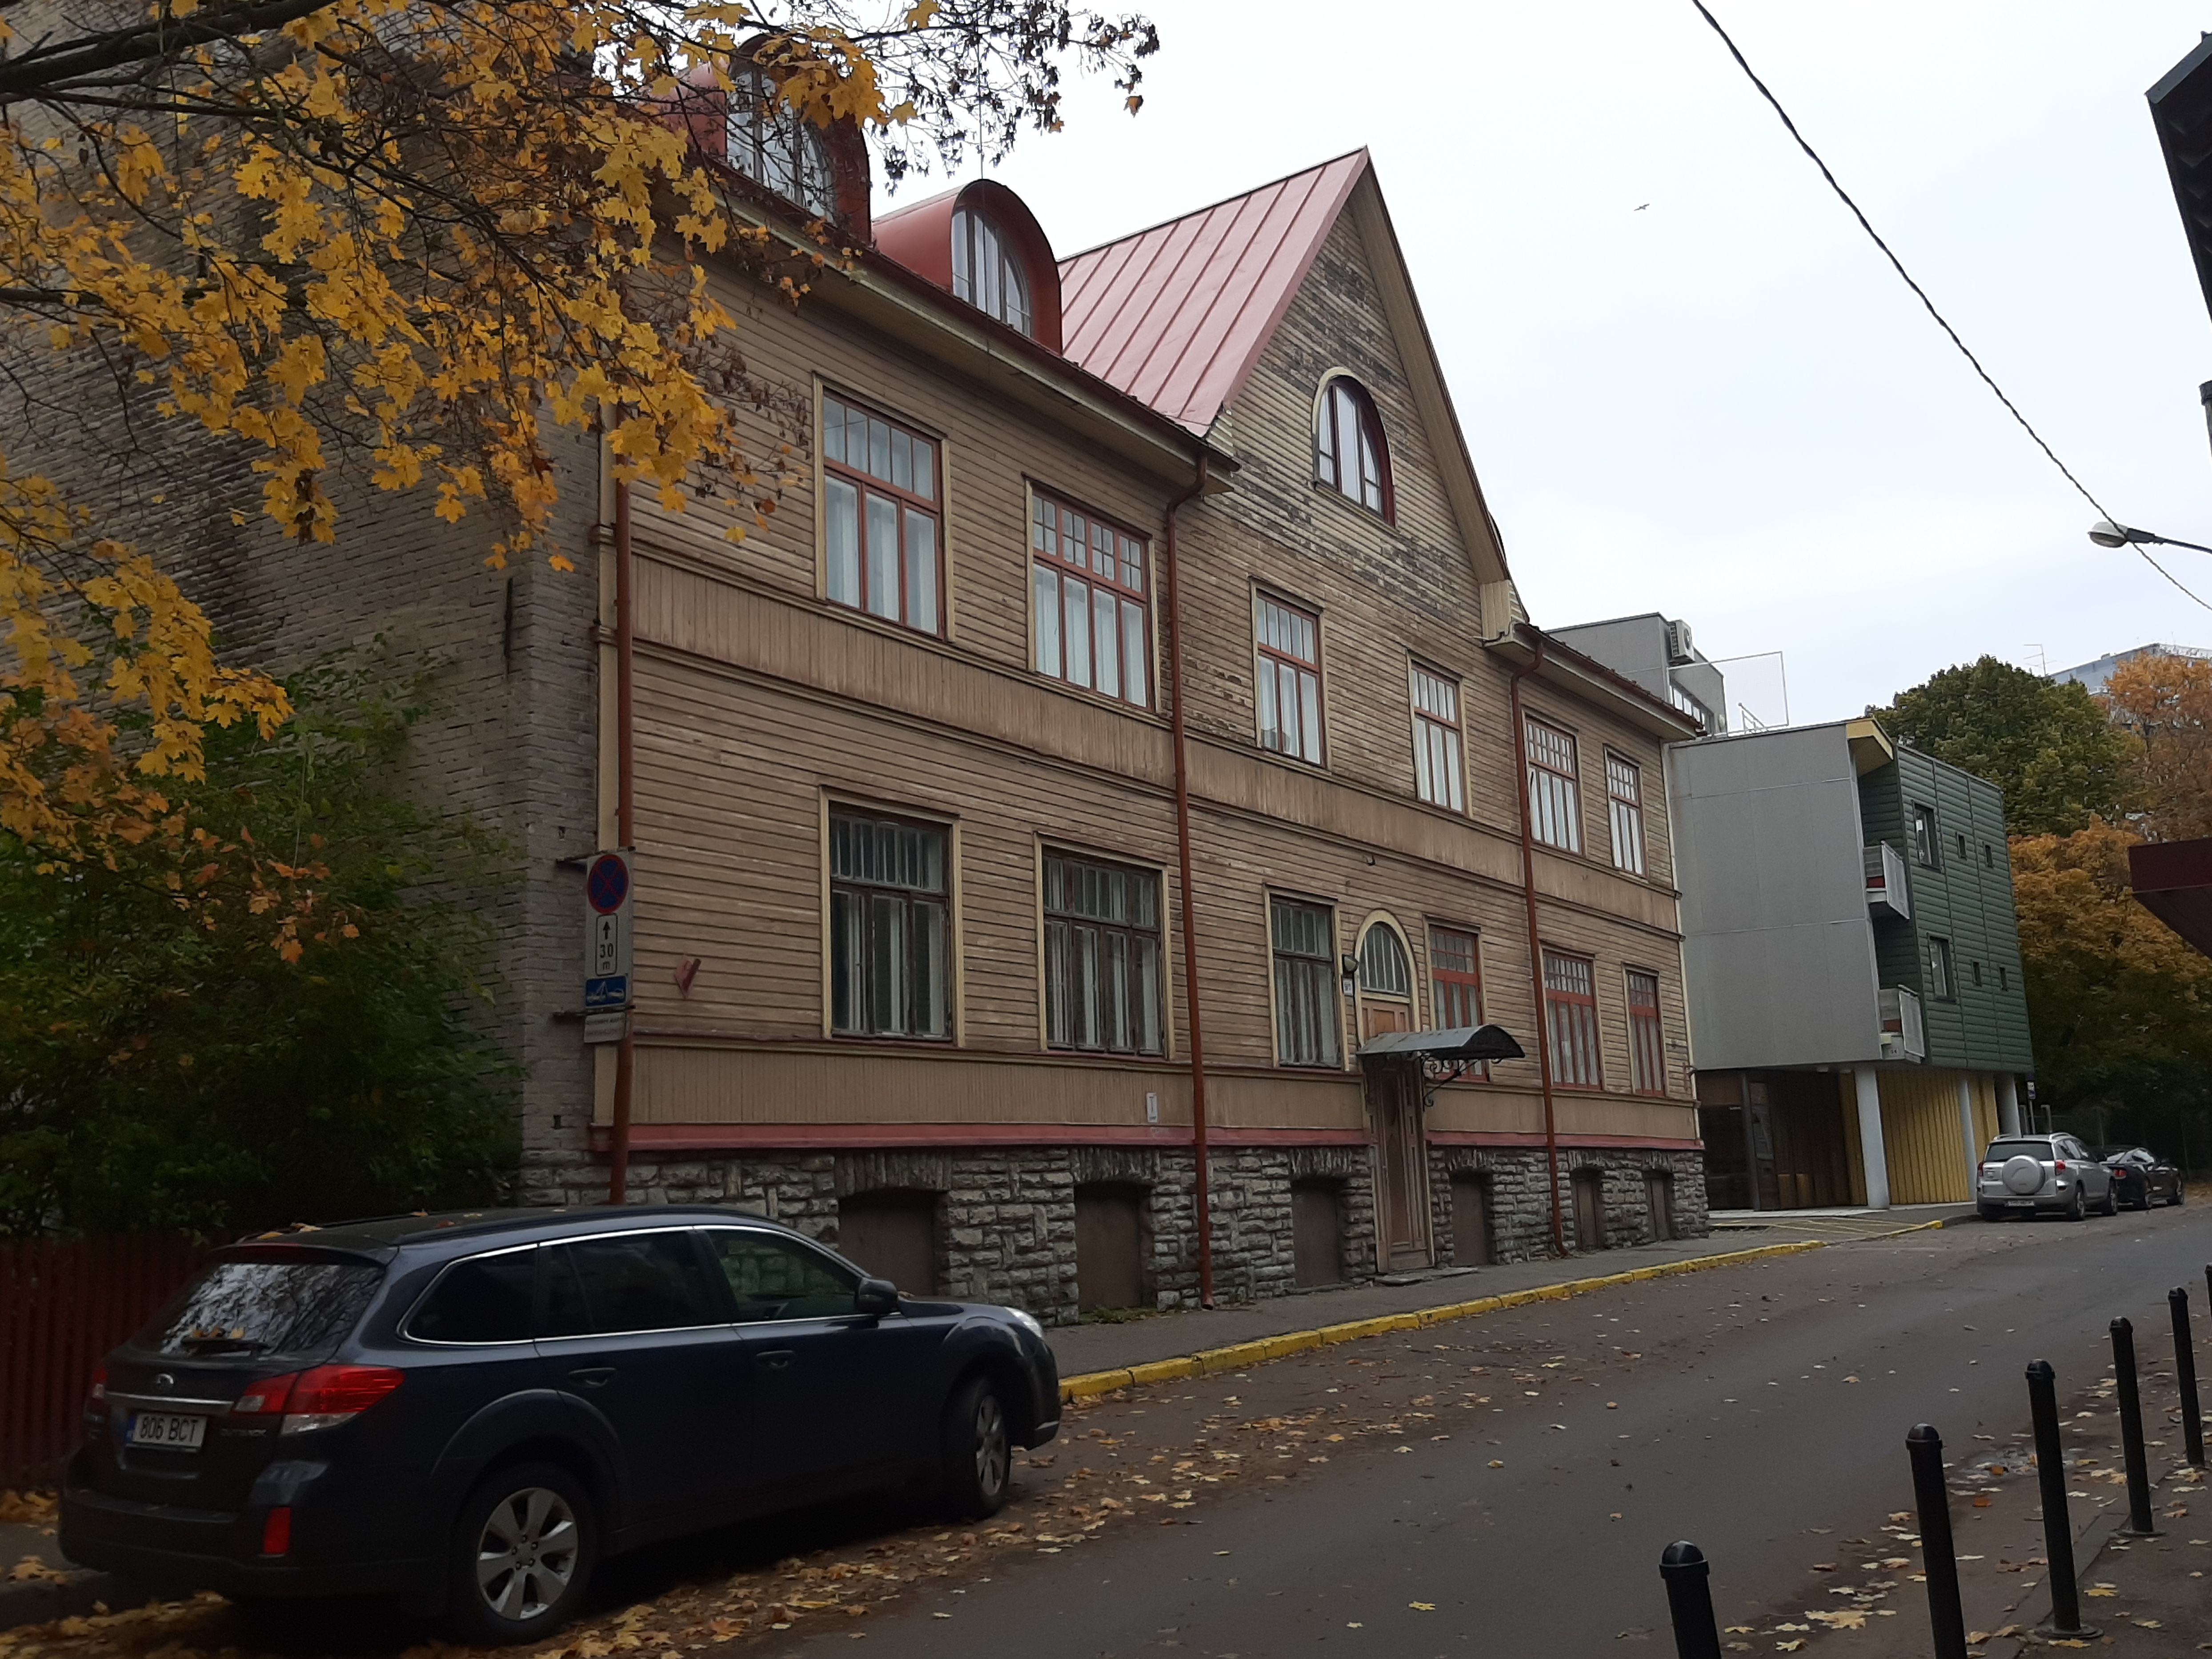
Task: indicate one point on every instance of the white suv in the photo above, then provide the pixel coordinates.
(2022, 1174)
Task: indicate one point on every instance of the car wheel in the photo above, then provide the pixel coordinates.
(2178, 1190)
(2075, 1209)
(523, 1552)
(2111, 1204)
(979, 1451)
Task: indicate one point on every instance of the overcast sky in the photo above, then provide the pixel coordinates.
(1726, 407)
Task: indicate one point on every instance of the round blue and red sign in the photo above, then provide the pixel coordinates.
(606, 884)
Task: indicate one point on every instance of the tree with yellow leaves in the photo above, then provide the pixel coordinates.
(2121, 1008)
(402, 241)
(2165, 703)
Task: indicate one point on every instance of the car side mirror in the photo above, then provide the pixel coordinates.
(876, 1296)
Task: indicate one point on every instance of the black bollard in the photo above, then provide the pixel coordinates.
(2185, 1376)
(1689, 1599)
(2057, 1530)
(1947, 1623)
(2131, 1436)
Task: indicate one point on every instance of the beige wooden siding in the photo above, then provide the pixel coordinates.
(757, 703)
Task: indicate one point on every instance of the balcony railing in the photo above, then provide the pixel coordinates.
(1885, 892)
(1903, 1036)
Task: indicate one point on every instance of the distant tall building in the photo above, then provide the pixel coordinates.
(2095, 674)
(1656, 654)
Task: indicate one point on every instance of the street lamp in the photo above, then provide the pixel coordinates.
(2106, 533)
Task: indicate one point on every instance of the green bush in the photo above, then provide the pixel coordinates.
(163, 1065)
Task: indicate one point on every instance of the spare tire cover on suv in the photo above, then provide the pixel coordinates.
(2023, 1174)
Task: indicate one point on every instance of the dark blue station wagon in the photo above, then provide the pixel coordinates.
(470, 1411)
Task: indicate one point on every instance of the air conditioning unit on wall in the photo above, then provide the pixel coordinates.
(1678, 649)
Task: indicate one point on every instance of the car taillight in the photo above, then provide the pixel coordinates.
(331, 1395)
(269, 1395)
(320, 1398)
(2058, 1165)
(97, 1395)
(276, 1531)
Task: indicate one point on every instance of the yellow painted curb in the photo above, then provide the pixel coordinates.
(1238, 1356)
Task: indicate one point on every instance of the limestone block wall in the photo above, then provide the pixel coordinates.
(1006, 1218)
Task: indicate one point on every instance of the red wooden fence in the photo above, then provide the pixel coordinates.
(62, 1305)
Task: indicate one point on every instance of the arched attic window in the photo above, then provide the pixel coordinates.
(769, 141)
(987, 273)
(1349, 454)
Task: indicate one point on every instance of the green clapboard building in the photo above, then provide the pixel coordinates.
(1852, 960)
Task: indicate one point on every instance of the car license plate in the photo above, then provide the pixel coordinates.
(169, 1429)
(2022, 1203)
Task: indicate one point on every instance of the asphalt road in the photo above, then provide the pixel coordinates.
(1750, 1407)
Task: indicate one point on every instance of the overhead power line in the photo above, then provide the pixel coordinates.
(1920, 293)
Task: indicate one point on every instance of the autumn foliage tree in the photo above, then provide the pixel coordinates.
(2047, 745)
(2120, 1007)
(404, 241)
(2165, 704)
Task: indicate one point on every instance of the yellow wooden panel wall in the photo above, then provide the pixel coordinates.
(1920, 1133)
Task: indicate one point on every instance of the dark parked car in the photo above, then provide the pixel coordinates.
(471, 1411)
(2140, 1176)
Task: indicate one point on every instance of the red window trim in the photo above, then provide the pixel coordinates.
(1470, 978)
(1301, 664)
(1645, 1018)
(931, 507)
(1139, 595)
(1556, 999)
(1370, 420)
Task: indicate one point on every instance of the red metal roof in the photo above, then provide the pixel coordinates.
(1176, 315)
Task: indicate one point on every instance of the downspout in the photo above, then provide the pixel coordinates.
(625, 825)
(1536, 948)
(1202, 1190)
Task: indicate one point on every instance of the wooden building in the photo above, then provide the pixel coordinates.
(1127, 714)
(954, 847)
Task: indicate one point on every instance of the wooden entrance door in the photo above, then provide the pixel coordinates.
(1401, 1164)
(1110, 1243)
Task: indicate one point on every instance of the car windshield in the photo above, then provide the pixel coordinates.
(2001, 1150)
(299, 1304)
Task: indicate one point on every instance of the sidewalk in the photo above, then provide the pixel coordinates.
(1089, 1348)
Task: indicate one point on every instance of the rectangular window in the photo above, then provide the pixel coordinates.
(1624, 790)
(1102, 957)
(1555, 813)
(1647, 1051)
(1439, 765)
(1087, 587)
(1940, 980)
(1287, 680)
(1570, 1014)
(881, 546)
(1924, 835)
(890, 970)
(1307, 1021)
(1454, 978)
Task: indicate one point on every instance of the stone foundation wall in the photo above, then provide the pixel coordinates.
(1520, 1218)
(1006, 1216)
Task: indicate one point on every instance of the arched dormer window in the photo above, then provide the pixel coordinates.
(771, 142)
(985, 273)
(1349, 454)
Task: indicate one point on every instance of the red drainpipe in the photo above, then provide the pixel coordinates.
(1537, 948)
(625, 825)
(1201, 1190)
